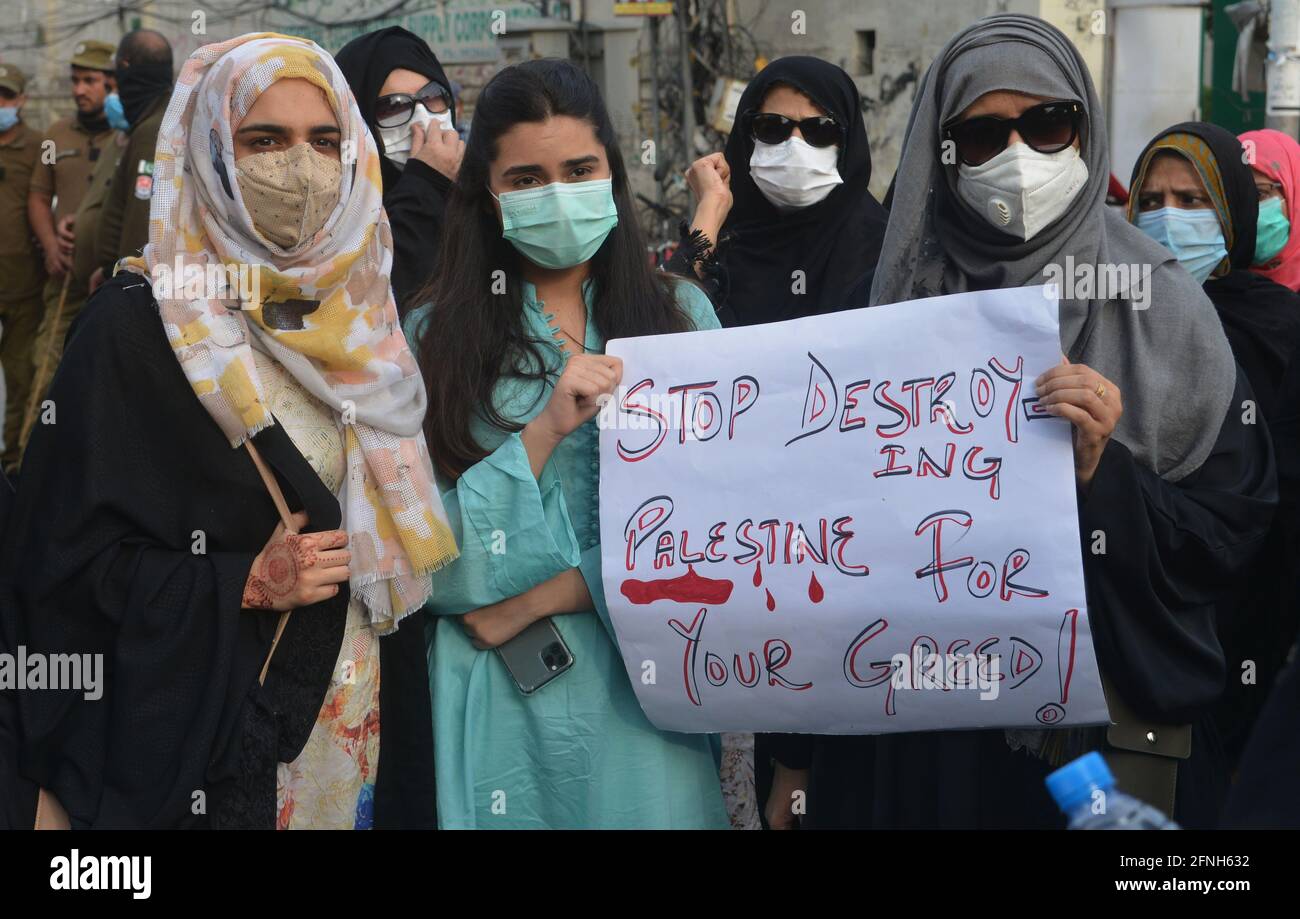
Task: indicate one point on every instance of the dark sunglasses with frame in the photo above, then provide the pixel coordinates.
(1048, 127)
(396, 109)
(771, 128)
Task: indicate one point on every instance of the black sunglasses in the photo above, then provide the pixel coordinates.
(396, 109)
(1049, 127)
(771, 128)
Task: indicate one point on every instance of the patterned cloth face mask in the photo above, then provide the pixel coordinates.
(289, 193)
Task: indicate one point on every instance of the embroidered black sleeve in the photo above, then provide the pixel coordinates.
(692, 250)
(697, 248)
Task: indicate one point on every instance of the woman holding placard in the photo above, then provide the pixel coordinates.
(785, 226)
(541, 264)
(1002, 183)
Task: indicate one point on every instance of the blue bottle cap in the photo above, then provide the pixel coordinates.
(1074, 783)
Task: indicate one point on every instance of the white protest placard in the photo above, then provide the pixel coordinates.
(861, 522)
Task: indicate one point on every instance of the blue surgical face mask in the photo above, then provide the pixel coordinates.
(1272, 232)
(1194, 237)
(114, 113)
(559, 225)
(8, 117)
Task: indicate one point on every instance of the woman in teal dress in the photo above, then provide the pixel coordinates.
(541, 264)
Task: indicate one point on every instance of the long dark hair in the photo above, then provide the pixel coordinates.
(475, 336)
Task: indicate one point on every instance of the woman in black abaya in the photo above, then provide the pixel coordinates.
(1192, 169)
(145, 534)
(1183, 491)
(407, 103)
(786, 227)
(787, 199)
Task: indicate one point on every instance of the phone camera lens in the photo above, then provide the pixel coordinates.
(553, 656)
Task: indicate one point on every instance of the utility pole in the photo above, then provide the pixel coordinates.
(688, 84)
(1282, 112)
(654, 105)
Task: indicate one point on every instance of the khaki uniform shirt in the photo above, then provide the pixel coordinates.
(76, 152)
(92, 205)
(22, 272)
(124, 220)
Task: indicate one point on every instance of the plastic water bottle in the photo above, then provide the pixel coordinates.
(1078, 785)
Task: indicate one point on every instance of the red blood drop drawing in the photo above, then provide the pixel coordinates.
(771, 602)
(758, 573)
(686, 588)
(815, 591)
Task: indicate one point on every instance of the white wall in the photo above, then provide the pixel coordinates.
(1156, 71)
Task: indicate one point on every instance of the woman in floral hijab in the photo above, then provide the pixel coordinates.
(258, 329)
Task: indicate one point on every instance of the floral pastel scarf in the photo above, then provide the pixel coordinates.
(324, 310)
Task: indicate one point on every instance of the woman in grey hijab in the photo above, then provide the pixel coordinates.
(1002, 183)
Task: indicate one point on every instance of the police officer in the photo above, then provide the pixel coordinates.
(144, 84)
(54, 326)
(73, 147)
(21, 271)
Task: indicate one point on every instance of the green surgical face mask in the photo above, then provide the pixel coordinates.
(559, 225)
(1273, 232)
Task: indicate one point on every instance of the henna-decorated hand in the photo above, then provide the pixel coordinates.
(295, 569)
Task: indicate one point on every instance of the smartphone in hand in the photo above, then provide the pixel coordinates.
(536, 656)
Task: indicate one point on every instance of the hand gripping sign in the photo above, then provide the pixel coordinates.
(860, 522)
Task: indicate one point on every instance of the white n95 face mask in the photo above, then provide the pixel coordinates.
(397, 141)
(794, 173)
(1020, 190)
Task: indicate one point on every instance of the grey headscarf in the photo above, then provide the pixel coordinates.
(1171, 361)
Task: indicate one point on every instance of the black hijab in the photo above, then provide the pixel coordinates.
(1260, 317)
(835, 242)
(366, 62)
(1240, 199)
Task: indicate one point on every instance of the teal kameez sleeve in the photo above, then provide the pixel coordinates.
(513, 530)
(698, 306)
(590, 569)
